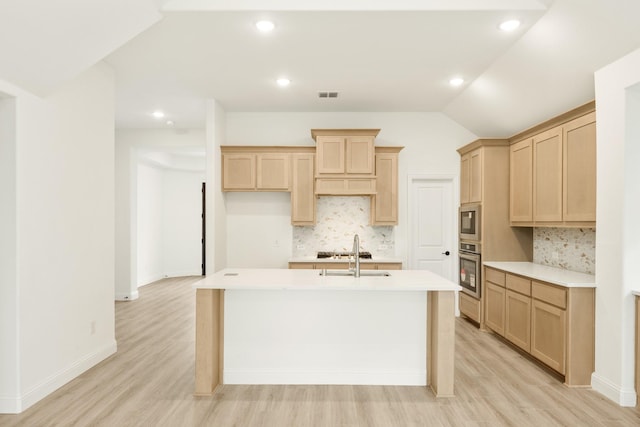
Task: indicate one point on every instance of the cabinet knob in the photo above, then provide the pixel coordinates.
(447, 253)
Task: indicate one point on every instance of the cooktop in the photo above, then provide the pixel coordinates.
(363, 255)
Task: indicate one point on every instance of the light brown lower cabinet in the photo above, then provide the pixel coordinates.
(554, 324)
(495, 311)
(470, 307)
(518, 324)
(548, 336)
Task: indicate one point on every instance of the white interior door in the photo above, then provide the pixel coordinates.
(432, 225)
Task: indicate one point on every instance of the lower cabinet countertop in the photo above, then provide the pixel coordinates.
(556, 276)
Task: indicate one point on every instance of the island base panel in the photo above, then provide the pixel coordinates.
(209, 340)
(440, 342)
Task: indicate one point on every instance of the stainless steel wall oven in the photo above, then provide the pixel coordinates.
(470, 268)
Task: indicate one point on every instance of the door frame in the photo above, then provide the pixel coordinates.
(455, 202)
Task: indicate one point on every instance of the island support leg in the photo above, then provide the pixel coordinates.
(209, 340)
(440, 342)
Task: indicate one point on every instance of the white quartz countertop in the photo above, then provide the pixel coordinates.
(636, 293)
(292, 279)
(345, 260)
(557, 276)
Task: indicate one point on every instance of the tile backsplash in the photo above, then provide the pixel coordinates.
(567, 248)
(338, 218)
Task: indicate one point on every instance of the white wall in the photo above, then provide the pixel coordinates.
(430, 141)
(216, 258)
(150, 224)
(169, 225)
(182, 223)
(64, 175)
(128, 143)
(9, 378)
(617, 234)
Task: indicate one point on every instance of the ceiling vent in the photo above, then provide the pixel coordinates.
(327, 94)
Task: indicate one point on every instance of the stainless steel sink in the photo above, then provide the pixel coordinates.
(376, 273)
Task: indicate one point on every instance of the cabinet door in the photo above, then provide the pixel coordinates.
(384, 205)
(495, 312)
(465, 180)
(521, 182)
(273, 172)
(330, 151)
(547, 176)
(475, 176)
(518, 323)
(579, 171)
(470, 307)
(303, 199)
(239, 172)
(360, 155)
(548, 335)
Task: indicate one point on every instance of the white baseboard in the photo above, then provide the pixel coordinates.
(613, 391)
(62, 377)
(127, 297)
(9, 405)
(184, 273)
(151, 279)
(320, 377)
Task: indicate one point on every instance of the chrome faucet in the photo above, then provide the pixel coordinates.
(356, 255)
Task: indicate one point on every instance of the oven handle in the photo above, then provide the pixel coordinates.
(463, 252)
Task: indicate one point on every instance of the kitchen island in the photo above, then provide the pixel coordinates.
(281, 326)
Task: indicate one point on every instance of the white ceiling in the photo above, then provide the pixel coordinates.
(393, 56)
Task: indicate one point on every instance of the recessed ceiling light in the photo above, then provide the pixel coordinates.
(456, 81)
(265, 26)
(509, 25)
(158, 114)
(169, 122)
(283, 81)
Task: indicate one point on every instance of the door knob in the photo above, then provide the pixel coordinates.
(446, 253)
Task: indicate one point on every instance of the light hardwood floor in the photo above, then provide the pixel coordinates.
(150, 381)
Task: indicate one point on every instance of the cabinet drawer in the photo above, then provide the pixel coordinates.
(550, 294)
(495, 276)
(519, 284)
(348, 186)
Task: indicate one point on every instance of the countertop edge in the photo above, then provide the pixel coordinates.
(553, 275)
(296, 279)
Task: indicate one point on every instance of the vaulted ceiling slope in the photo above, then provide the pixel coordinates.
(379, 55)
(44, 44)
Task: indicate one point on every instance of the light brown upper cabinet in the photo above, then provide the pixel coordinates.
(547, 176)
(250, 171)
(272, 171)
(553, 176)
(238, 172)
(344, 154)
(345, 161)
(521, 181)
(384, 204)
(303, 199)
(471, 177)
(274, 168)
(579, 168)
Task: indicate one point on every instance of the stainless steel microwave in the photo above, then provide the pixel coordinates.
(469, 222)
